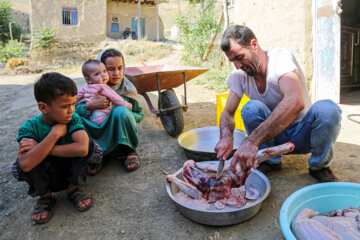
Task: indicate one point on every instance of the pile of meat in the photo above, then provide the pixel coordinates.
(337, 224)
(200, 189)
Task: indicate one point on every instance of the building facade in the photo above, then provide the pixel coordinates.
(322, 34)
(94, 20)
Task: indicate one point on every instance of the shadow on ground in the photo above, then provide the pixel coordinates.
(135, 205)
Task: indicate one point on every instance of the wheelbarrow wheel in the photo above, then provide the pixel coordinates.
(173, 120)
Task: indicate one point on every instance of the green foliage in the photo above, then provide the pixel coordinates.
(219, 71)
(13, 49)
(194, 1)
(199, 1)
(195, 34)
(5, 19)
(45, 38)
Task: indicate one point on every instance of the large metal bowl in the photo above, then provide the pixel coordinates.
(227, 216)
(199, 143)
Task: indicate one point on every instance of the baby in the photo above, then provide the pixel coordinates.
(96, 77)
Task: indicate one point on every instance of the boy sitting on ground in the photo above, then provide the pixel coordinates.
(96, 77)
(54, 148)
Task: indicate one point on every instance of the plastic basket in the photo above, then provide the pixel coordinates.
(220, 105)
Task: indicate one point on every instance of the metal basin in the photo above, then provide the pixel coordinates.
(199, 143)
(229, 215)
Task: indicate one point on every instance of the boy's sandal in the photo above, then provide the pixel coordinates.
(77, 195)
(45, 204)
(94, 168)
(132, 158)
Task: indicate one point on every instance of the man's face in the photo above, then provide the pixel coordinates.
(244, 58)
(60, 110)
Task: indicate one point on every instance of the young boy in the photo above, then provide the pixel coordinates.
(96, 77)
(54, 149)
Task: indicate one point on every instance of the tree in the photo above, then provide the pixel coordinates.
(211, 45)
(5, 20)
(195, 34)
(226, 13)
(202, 4)
(224, 17)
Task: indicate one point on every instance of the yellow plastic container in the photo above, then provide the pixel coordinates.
(220, 105)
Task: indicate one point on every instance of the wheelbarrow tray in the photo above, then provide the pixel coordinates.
(170, 76)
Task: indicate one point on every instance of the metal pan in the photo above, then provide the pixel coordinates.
(227, 216)
(198, 144)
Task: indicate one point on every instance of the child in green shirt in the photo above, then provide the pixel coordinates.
(54, 149)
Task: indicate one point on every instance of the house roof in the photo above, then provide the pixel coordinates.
(150, 2)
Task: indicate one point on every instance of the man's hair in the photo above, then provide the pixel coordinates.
(52, 85)
(111, 53)
(240, 34)
(85, 67)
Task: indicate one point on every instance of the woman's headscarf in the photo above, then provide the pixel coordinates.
(124, 87)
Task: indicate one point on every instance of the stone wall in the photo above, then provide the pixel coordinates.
(94, 19)
(91, 19)
(285, 24)
(65, 54)
(21, 18)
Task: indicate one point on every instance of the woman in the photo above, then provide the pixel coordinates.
(117, 135)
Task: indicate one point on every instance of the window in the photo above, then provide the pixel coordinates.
(114, 27)
(69, 16)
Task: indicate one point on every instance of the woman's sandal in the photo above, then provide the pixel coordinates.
(77, 195)
(132, 158)
(45, 204)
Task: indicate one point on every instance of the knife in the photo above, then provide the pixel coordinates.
(220, 168)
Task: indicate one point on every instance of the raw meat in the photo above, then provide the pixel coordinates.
(338, 224)
(200, 188)
(228, 190)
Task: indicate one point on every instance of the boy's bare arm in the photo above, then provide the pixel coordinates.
(79, 148)
(28, 159)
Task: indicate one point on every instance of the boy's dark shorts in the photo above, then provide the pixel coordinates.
(57, 173)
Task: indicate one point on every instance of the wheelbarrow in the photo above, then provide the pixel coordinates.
(164, 77)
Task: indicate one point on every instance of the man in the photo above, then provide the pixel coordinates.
(279, 111)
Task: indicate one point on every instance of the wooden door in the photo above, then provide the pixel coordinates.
(134, 26)
(349, 57)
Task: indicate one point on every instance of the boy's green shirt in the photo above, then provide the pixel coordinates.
(37, 129)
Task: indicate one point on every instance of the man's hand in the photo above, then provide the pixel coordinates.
(245, 155)
(98, 101)
(224, 148)
(26, 144)
(225, 145)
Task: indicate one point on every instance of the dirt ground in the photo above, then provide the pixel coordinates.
(135, 205)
